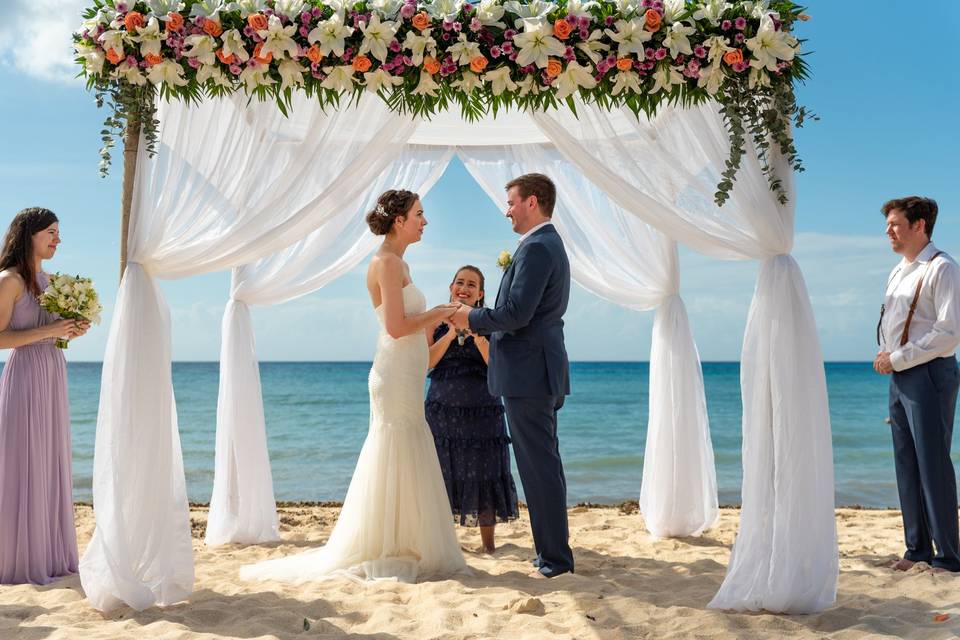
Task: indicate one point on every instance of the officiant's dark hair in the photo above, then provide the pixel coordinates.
(536, 184)
(914, 208)
(390, 205)
(18, 245)
(482, 300)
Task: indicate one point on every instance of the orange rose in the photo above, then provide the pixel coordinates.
(554, 67)
(651, 20)
(562, 29)
(212, 27)
(624, 64)
(224, 58)
(113, 56)
(431, 65)
(314, 55)
(133, 21)
(174, 21)
(259, 58)
(153, 58)
(478, 64)
(421, 21)
(258, 21)
(733, 57)
(362, 64)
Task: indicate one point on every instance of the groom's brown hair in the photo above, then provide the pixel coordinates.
(536, 184)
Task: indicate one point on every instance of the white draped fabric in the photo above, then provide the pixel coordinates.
(664, 172)
(242, 507)
(230, 183)
(622, 259)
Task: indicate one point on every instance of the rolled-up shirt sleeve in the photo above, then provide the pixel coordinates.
(944, 336)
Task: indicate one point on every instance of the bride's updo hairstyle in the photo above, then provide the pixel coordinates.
(390, 205)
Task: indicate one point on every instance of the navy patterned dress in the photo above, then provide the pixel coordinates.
(471, 437)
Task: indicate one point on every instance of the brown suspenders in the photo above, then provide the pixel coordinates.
(913, 305)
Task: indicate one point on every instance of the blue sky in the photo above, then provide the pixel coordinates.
(884, 83)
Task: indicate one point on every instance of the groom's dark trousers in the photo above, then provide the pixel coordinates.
(530, 371)
(922, 404)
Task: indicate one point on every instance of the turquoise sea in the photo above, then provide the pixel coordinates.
(317, 414)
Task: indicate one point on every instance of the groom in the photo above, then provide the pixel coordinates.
(528, 362)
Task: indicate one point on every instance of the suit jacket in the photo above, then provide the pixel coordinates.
(527, 354)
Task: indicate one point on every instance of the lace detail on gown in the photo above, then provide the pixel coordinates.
(396, 520)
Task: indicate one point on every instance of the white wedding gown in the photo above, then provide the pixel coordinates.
(396, 522)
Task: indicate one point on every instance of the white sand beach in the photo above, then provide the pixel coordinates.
(627, 585)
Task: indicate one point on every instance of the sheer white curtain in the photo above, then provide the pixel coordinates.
(664, 171)
(242, 507)
(231, 182)
(622, 259)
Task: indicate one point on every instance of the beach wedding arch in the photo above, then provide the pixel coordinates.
(256, 133)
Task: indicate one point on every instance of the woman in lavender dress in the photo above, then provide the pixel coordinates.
(38, 542)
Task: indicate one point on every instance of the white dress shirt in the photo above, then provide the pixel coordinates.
(935, 327)
(532, 231)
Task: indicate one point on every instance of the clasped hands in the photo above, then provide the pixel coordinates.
(459, 317)
(882, 363)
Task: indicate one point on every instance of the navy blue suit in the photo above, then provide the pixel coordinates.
(529, 368)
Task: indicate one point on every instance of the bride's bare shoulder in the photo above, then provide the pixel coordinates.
(385, 263)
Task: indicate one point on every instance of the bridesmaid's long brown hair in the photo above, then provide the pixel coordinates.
(18, 245)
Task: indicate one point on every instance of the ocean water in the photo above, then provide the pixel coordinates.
(317, 416)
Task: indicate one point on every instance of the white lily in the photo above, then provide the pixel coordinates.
(468, 83)
(130, 73)
(255, 76)
(463, 51)
(444, 9)
(759, 76)
(593, 45)
(426, 86)
(716, 47)
(677, 40)
(489, 13)
(202, 47)
(500, 80)
(711, 10)
(528, 84)
(628, 8)
(330, 34)
(247, 7)
(113, 39)
(377, 36)
(574, 78)
(213, 72)
(90, 26)
(207, 8)
(387, 8)
(760, 9)
(711, 78)
(630, 36)
(418, 45)
(278, 39)
(150, 37)
(93, 58)
(626, 80)
(163, 7)
(537, 44)
(581, 8)
(166, 71)
(665, 77)
(291, 74)
(770, 46)
(289, 8)
(233, 45)
(535, 10)
(380, 79)
(339, 78)
(673, 9)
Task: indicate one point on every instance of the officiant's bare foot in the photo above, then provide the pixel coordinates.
(902, 564)
(939, 570)
(536, 575)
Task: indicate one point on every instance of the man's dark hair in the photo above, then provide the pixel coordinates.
(536, 184)
(914, 208)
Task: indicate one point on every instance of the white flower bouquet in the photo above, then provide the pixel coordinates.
(71, 298)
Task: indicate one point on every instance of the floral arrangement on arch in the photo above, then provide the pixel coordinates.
(421, 56)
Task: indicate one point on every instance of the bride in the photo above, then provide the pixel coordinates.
(396, 521)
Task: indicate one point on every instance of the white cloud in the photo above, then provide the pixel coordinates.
(36, 37)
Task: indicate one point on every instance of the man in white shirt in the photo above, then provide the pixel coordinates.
(919, 332)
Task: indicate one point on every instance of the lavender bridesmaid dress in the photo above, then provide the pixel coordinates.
(38, 542)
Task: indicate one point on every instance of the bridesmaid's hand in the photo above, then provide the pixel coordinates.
(81, 328)
(61, 329)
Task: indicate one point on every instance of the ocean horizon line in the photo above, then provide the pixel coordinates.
(371, 361)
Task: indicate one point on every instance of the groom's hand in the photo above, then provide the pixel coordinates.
(882, 363)
(461, 317)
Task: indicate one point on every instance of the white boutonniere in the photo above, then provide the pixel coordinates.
(504, 260)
